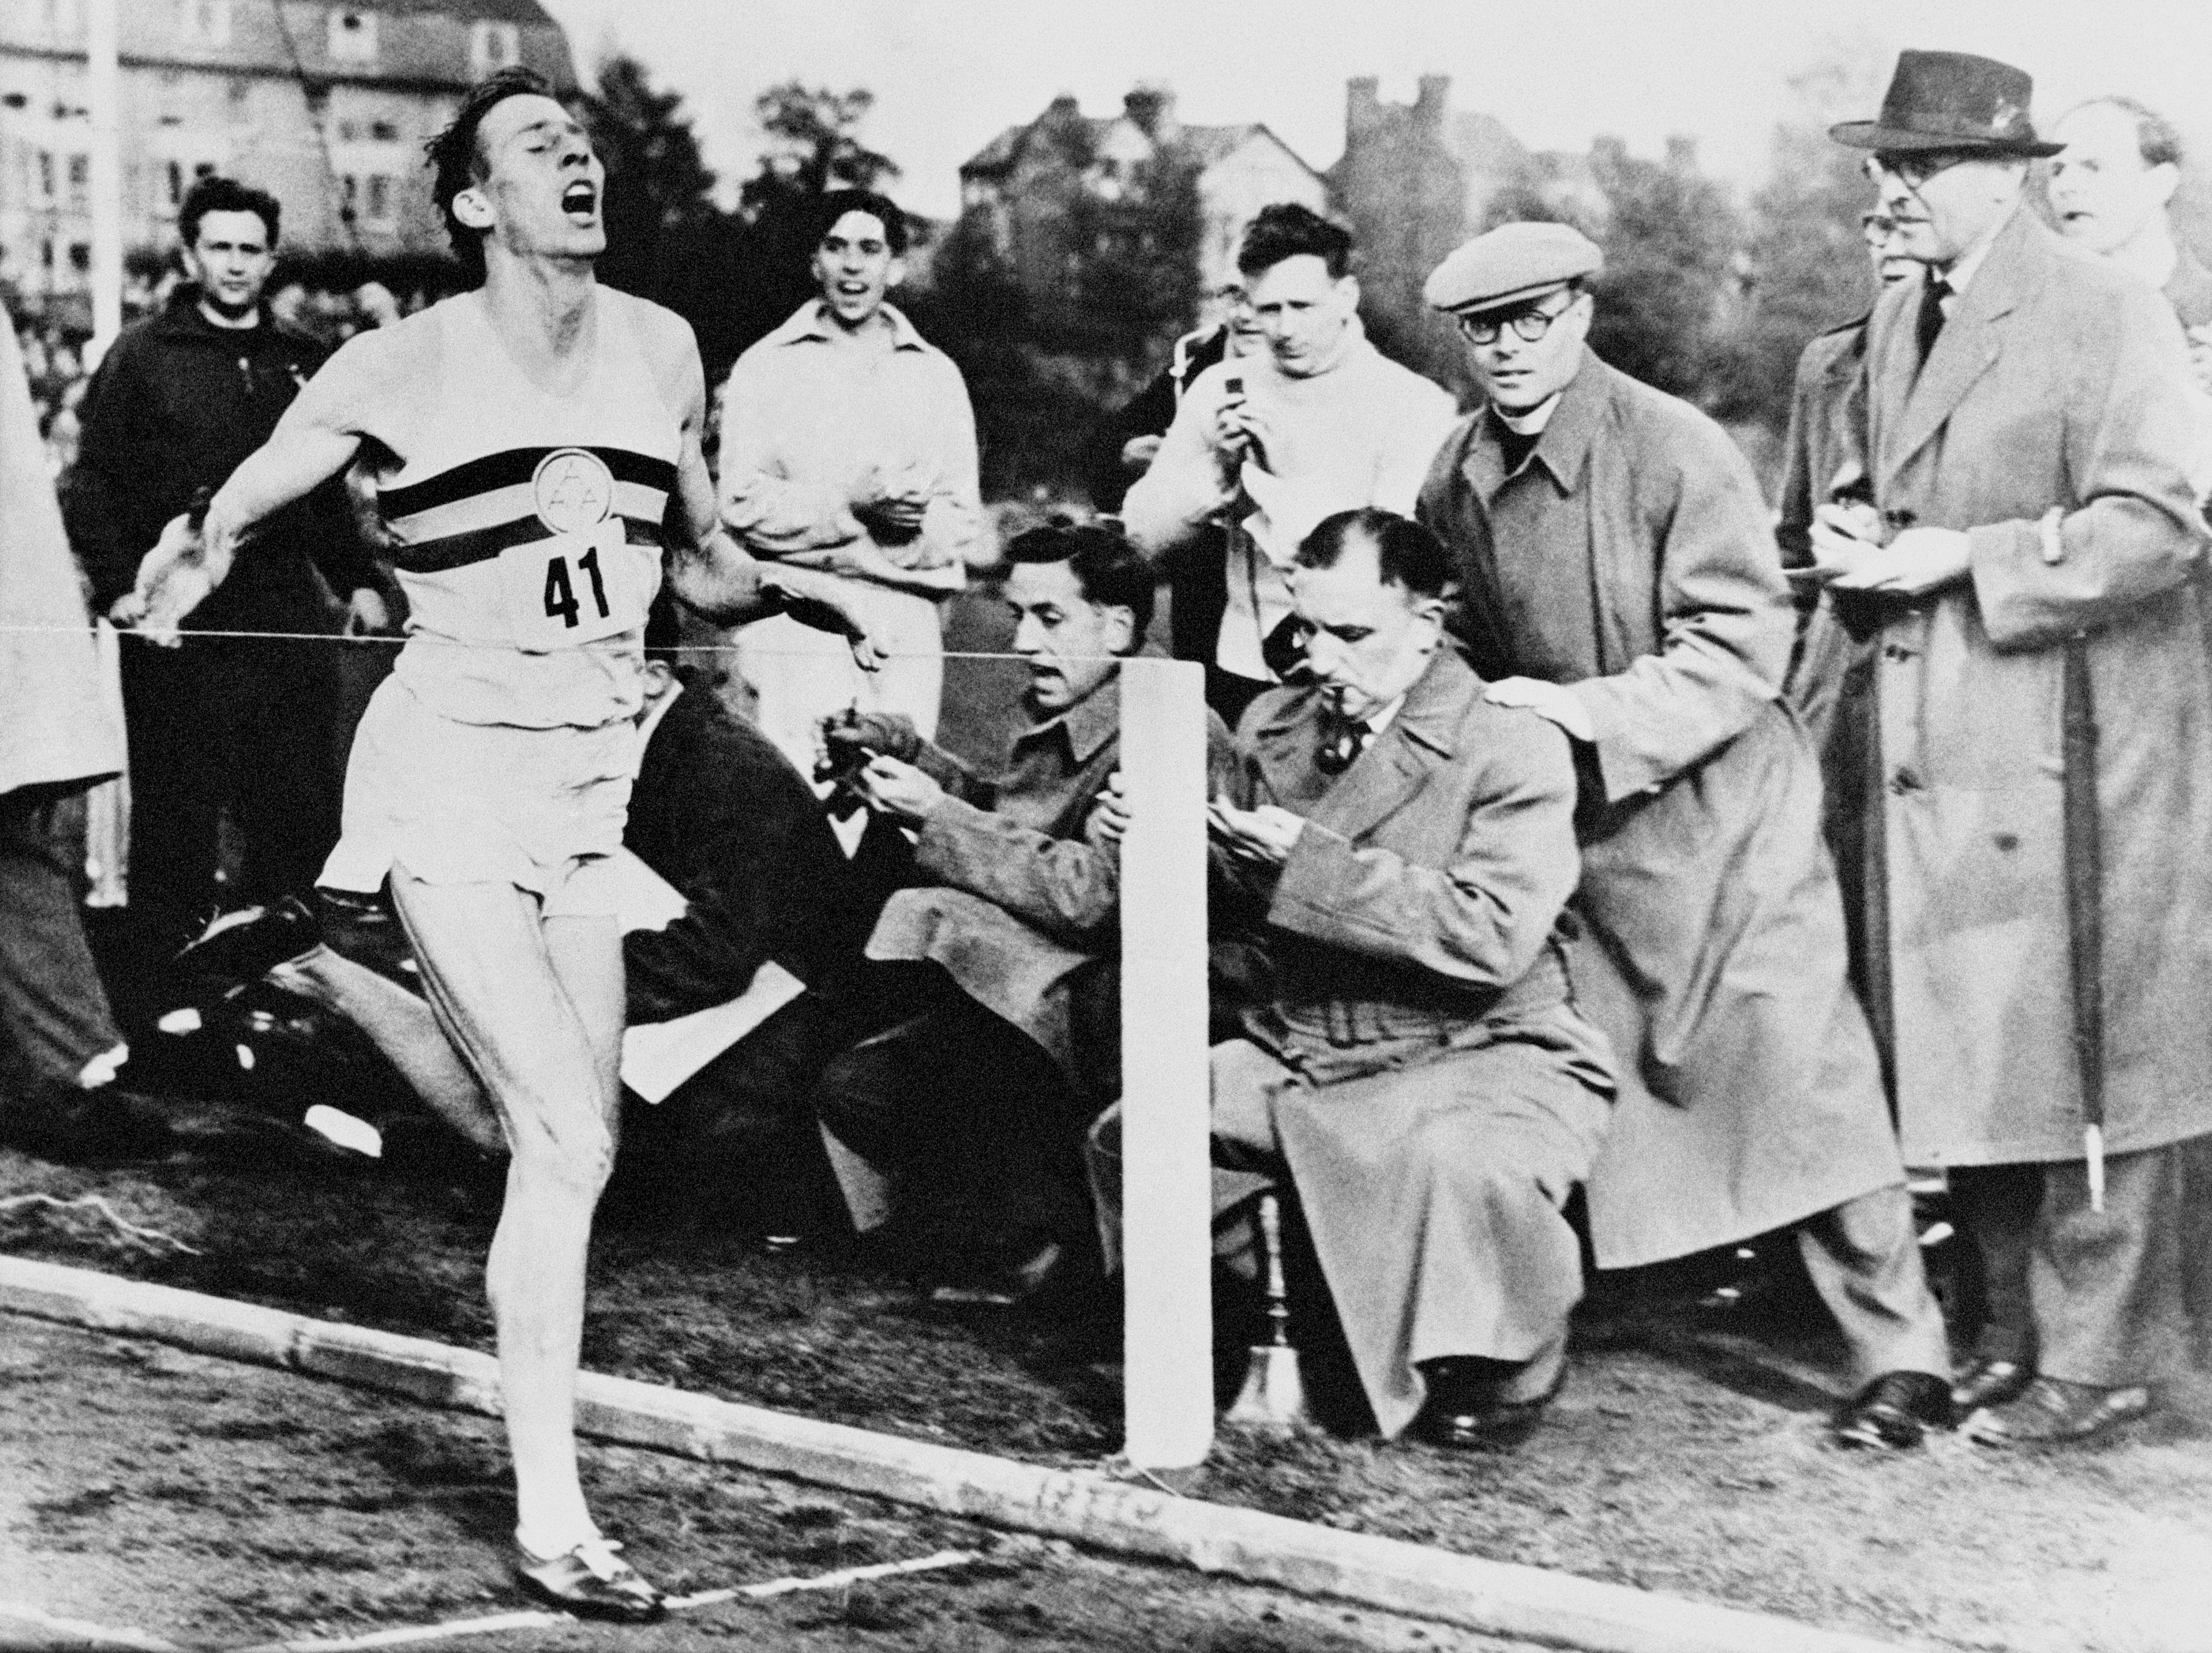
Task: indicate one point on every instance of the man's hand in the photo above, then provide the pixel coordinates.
(2200, 357)
(1918, 561)
(899, 789)
(1242, 433)
(1266, 834)
(1842, 536)
(366, 614)
(1553, 702)
(174, 577)
(892, 503)
(1139, 453)
(1109, 812)
(814, 600)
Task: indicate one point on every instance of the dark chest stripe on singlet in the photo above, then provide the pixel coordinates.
(481, 545)
(479, 508)
(514, 467)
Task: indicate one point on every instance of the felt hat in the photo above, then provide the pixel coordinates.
(1951, 101)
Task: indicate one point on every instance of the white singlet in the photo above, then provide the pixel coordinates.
(524, 524)
(525, 531)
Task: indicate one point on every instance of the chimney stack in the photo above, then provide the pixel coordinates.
(1363, 104)
(1431, 102)
(1151, 109)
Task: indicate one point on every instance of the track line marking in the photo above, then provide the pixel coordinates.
(827, 1580)
(494, 1623)
(100, 1635)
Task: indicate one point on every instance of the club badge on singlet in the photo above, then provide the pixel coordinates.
(583, 583)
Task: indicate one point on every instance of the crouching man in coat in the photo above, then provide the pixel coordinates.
(996, 966)
(1618, 577)
(1404, 850)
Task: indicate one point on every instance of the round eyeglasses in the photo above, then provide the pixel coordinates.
(1528, 325)
(1915, 168)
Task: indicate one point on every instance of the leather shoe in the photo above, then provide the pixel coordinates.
(245, 945)
(2053, 1412)
(1895, 1412)
(1989, 1384)
(1465, 1413)
(592, 1582)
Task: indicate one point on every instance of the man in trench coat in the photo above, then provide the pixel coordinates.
(1617, 576)
(1401, 852)
(2031, 431)
(1831, 671)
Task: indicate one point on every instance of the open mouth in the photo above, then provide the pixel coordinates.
(580, 201)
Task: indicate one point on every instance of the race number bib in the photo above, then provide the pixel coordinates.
(582, 584)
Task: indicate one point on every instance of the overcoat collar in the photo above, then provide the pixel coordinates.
(1089, 723)
(1395, 763)
(1562, 449)
(1968, 346)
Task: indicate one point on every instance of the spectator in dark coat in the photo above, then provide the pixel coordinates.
(235, 726)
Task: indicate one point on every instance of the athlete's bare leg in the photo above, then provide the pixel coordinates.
(535, 1006)
(405, 1031)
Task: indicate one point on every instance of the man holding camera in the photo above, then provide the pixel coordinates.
(1274, 440)
(1003, 969)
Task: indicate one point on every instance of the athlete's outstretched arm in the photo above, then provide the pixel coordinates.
(707, 569)
(315, 439)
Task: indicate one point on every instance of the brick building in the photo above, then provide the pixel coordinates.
(325, 105)
(1417, 179)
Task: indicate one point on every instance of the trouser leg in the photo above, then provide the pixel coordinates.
(1864, 1260)
(2196, 1240)
(2105, 1286)
(180, 761)
(1996, 1207)
(53, 1011)
(281, 701)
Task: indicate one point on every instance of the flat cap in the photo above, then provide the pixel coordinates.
(1510, 264)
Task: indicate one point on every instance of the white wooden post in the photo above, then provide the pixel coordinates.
(104, 103)
(1166, 1218)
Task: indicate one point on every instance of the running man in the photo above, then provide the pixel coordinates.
(535, 443)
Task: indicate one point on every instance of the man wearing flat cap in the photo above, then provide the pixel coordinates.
(1618, 577)
(2046, 722)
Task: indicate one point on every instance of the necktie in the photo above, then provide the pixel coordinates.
(1932, 314)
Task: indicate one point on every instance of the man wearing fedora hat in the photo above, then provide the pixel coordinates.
(1618, 576)
(2044, 711)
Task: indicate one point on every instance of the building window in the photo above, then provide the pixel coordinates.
(353, 37)
(80, 183)
(79, 256)
(175, 170)
(45, 170)
(383, 131)
(494, 46)
(348, 195)
(379, 198)
(206, 22)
